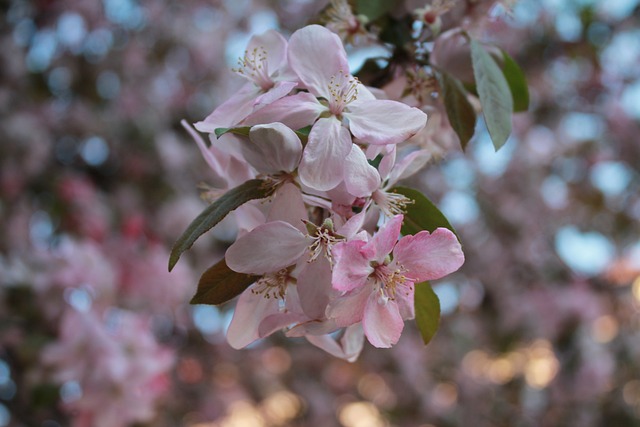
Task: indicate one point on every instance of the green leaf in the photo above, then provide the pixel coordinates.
(495, 96)
(242, 130)
(219, 284)
(422, 214)
(517, 83)
(427, 307)
(373, 9)
(216, 211)
(460, 112)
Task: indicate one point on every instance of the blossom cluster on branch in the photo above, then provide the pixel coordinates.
(323, 254)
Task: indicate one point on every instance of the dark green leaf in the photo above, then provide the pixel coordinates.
(242, 130)
(373, 9)
(422, 214)
(460, 112)
(495, 96)
(216, 211)
(517, 83)
(219, 284)
(427, 306)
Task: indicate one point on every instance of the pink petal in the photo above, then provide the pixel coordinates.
(322, 165)
(370, 121)
(288, 206)
(349, 308)
(348, 347)
(276, 47)
(360, 177)
(250, 310)
(352, 226)
(279, 90)
(295, 111)
(316, 54)
(267, 248)
(352, 265)
(232, 111)
(382, 322)
(429, 256)
(272, 149)
(404, 299)
(387, 162)
(214, 162)
(408, 166)
(385, 239)
(314, 287)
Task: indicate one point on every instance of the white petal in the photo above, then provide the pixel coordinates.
(272, 148)
(360, 177)
(384, 122)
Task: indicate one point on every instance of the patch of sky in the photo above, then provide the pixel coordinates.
(612, 178)
(617, 9)
(262, 21)
(206, 18)
(598, 33)
(459, 207)
(582, 126)
(570, 169)
(490, 162)
(126, 13)
(8, 390)
(70, 391)
(568, 26)
(207, 319)
(94, 151)
(631, 99)
(97, 44)
(587, 253)
(59, 81)
(526, 13)
(42, 51)
(40, 228)
(554, 192)
(358, 56)
(459, 173)
(71, 30)
(23, 32)
(108, 84)
(621, 55)
(5, 416)
(448, 295)
(78, 298)
(5, 372)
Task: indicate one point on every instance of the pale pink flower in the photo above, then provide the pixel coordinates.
(265, 66)
(378, 277)
(320, 61)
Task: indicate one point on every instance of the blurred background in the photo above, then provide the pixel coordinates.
(540, 327)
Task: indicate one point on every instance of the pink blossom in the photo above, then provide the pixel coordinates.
(378, 277)
(320, 61)
(264, 64)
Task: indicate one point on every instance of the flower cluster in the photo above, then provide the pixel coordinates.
(323, 254)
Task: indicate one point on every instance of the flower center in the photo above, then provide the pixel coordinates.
(254, 67)
(343, 89)
(391, 203)
(390, 282)
(272, 285)
(324, 237)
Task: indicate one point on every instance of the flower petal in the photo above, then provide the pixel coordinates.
(382, 243)
(429, 256)
(276, 47)
(250, 310)
(279, 90)
(348, 347)
(408, 166)
(382, 322)
(314, 287)
(349, 308)
(267, 248)
(288, 206)
(295, 111)
(360, 178)
(322, 165)
(370, 121)
(316, 54)
(232, 111)
(352, 265)
(272, 148)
